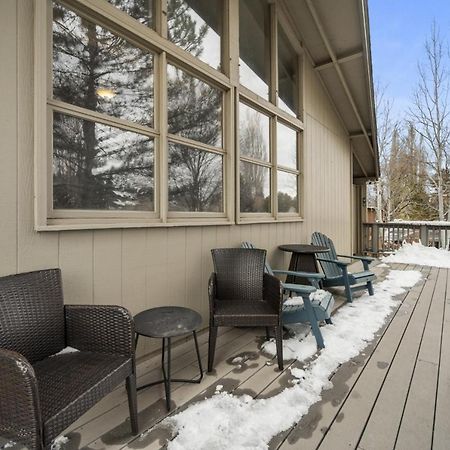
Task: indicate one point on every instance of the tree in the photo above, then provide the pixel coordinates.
(430, 115)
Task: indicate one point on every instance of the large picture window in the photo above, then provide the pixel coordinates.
(141, 120)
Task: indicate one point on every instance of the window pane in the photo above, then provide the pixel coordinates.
(98, 70)
(254, 46)
(195, 179)
(97, 166)
(255, 188)
(286, 146)
(254, 133)
(287, 192)
(196, 26)
(194, 108)
(287, 74)
(141, 10)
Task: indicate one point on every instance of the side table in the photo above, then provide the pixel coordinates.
(166, 322)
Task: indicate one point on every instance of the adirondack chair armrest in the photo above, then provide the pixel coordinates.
(312, 275)
(341, 264)
(358, 258)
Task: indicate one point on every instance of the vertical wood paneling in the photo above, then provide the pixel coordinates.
(176, 260)
(35, 250)
(134, 270)
(107, 267)
(194, 286)
(76, 262)
(8, 137)
(157, 267)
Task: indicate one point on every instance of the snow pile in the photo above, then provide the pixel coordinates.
(241, 422)
(416, 253)
(293, 301)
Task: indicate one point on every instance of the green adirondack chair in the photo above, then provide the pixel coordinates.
(336, 272)
(310, 311)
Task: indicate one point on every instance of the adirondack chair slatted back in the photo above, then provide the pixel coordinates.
(267, 267)
(329, 269)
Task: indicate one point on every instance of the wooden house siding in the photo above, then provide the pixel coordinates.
(145, 267)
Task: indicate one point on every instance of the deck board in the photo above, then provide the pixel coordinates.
(393, 395)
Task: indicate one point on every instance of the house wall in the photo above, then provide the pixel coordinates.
(141, 268)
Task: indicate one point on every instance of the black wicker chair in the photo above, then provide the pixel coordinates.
(41, 394)
(241, 294)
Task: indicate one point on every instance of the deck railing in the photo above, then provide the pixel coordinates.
(386, 237)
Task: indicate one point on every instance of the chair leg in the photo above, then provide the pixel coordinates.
(279, 344)
(328, 321)
(211, 347)
(267, 334)
(348, 291)
(132, 403)
(370, 287)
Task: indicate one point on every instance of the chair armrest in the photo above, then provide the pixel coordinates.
(100, 328)
(358, 258)
(341, 264)
(20, 415)
(312, 275)
(273, 292)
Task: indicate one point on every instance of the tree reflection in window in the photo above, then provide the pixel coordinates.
(97, 70)
(141, 10)
(196, 26)
(96, 166)
(194, 108)
(195, 180)
(255, 188)
(287, 192)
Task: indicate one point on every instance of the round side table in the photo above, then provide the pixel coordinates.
(166, 322)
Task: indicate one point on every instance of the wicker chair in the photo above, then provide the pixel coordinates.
(241, 294)
(41, 394)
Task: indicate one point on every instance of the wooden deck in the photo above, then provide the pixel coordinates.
(395, 394)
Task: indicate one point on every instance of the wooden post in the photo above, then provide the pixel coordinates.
(424, 234)
(375, 238)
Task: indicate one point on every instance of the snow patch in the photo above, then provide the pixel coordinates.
(59, 442)
(237, 360)
(416, 253)
(241, 422)
(65, 350)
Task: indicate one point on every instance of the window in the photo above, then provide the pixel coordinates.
(288, 92)
(254, 46)
(142, 122)
(196, 26)
(269, 129)
(101, 163)
(195, 110)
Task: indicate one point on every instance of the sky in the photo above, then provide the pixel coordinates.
(398, 31)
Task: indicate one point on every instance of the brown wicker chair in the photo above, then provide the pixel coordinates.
(241, 294)
(41, 394)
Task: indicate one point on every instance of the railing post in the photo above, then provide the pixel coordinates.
(375, 238)
(424, 235)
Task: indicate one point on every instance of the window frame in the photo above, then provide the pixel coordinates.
(164, 52)
(270, 108)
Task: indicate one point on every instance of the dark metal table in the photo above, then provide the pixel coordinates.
(166, 322)
(303, 259)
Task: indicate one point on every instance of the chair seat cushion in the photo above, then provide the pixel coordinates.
(69, 384)
(248, 313)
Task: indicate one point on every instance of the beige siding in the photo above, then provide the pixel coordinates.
(140, 268)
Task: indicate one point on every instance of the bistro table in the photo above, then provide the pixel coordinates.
(166, 322)
(303, 259)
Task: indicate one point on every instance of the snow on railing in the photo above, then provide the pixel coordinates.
(387, 237)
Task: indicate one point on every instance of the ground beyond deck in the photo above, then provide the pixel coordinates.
(395, 394)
